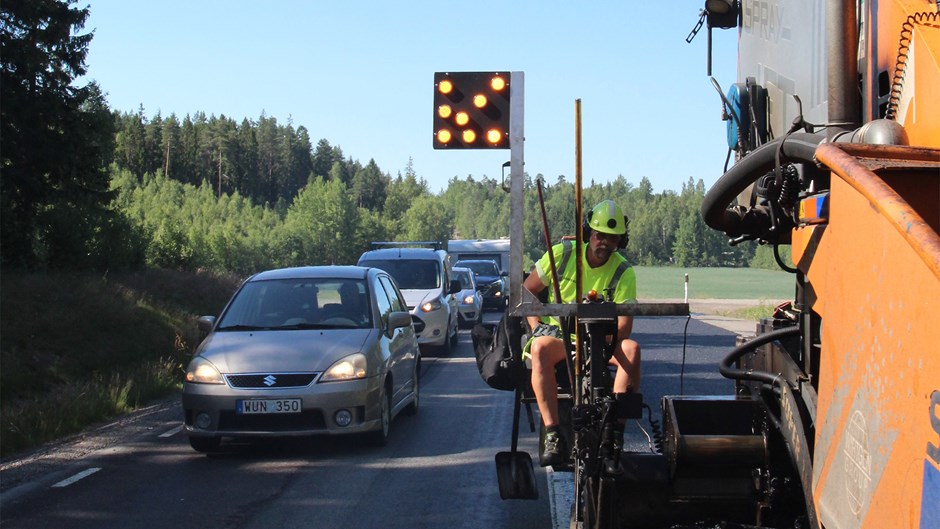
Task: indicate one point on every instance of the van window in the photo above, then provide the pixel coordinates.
(410, 274)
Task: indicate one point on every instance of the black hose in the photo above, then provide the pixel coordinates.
(746, 374)
(796, 147)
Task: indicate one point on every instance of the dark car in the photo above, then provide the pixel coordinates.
(304, 351)
(490, 281)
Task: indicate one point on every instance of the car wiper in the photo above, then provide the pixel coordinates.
(242, 327)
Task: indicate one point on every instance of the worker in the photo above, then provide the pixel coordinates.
(604, 270)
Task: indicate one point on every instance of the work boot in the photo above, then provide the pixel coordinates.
(554, 450)
(611, 447)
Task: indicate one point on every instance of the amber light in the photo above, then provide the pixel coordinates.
(497, 83)
(469, 136)
(444, 111)
(479, 101)
(444, 136)
(462, 118)
(494, 136)
(445, 87)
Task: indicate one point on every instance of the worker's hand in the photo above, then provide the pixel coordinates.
(544, 329)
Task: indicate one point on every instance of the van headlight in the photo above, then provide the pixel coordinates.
(432, 305)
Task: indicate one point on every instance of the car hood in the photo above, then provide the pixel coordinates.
(416, 297)
(284, 351)
(486, 280)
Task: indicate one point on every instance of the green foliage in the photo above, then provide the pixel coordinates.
(56, 141)
(78, 348)
(764, 257)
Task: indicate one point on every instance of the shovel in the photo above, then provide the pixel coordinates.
(514, 470)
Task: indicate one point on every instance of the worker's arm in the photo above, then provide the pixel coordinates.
(533, 283)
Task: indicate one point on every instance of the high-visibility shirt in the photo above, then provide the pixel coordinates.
(615, 274)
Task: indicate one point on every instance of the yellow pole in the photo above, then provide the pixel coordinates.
(578, 235)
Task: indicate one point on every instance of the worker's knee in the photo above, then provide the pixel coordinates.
(546, 352)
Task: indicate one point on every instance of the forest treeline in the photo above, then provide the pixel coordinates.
(93, 188)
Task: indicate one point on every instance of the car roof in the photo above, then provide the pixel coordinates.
(403, 253)
(313, 272)
(476, 261)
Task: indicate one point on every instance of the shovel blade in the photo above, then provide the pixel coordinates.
(516, 476)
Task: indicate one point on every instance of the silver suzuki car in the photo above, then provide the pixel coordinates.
(304, 351)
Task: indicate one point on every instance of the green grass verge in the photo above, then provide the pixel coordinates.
(78, 349)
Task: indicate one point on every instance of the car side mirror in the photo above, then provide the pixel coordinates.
(454, 286)
(206, 323)
(504, 274)
(397, 320)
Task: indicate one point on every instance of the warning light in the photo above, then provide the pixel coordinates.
(445, 87)
(471, 110)
(494, 136)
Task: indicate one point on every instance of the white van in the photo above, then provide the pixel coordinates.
(424, 277)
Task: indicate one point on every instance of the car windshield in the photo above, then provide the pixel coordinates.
(320, 303)
(464, 278)
(480, 268)
(410, 274)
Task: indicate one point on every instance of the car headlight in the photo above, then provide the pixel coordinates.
(468, 300)
(201, 371)
(432, 305)
(347, 368)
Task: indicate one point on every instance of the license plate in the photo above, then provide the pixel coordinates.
(263, 406)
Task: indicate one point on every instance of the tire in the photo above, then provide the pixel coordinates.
(205, 444)
(412, 409)
(379, 437)
(454, 337)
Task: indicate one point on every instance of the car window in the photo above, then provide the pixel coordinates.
(394, 296)
(464, 278)
(484, 268)
(296, 303)
(382, 302)
(410, 274)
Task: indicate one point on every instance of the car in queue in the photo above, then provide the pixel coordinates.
(490, 281)
(469, 300)
(424, 275)
(304, 351)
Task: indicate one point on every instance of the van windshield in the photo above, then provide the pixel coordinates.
(410, 274)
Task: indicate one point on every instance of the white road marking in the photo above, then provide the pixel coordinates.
(81, 475)
(560, 497)
(171, 433)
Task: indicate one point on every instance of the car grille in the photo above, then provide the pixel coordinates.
(418, 323)
(281, 422)
(271, 380)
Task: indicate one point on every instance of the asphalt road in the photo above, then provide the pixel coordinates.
(436, 471)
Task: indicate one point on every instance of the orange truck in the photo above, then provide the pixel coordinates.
(834, 123)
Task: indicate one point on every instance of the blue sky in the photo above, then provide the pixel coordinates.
(360, 74)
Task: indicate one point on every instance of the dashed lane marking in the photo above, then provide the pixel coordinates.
(81, 475)
(171, 433)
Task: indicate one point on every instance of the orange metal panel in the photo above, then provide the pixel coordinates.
(875, 272)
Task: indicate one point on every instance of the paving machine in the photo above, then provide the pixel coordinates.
(834, 129)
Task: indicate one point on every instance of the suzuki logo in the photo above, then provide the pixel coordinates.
(270, 380)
